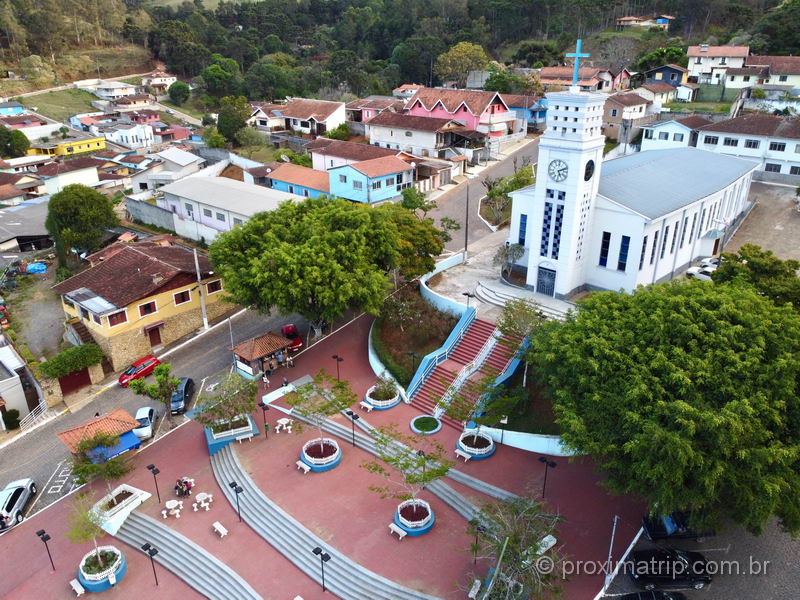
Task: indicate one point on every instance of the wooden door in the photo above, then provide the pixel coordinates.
(155, 336)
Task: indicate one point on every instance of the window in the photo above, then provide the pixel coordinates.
(723, 60)
(623, 253)
(182, 297)
(212, 287)
(702, 222)
(777, 146)
(220, 217)
(648, 134)
(772, 168)
(206, 212)
(358, 185)
(95, 318)
(641, 256)
(752, 144)
(664, 242)
(389, 181)
(663, 135)
(332, 165)
(674, 238)
(237, 221)
(730, 142)
(557, 231)
(399, 178)
(732, 78)
(698, 61)
(794, 170)
(711, 140)
(544, 246)
(745, 78)
(614, 112)
(673, 76)
(147, 309)
(677, 137)
(291, 189)
(658, 76)
(683, 231)
(782, 78)
(523, 229)
(691, 233)
(189, 209)
(797, 148)
(604, 244)
(117, 319)
(342, 178)
(409, 134)
(305, 193)
(376, 185)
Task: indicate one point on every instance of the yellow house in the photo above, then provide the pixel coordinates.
(138, 296)
(69, 146)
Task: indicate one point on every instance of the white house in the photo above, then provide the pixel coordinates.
(659, 93)
(130, 135)
(707, 64)
(639, 219)
(771, 142)
(173, 164)
(107, 90)
(766, 70)
(159, 81)
(313, 117)
(674, 133)
(422, 136)
(12, 369)
(57, 175)
(328, 154)
(263, 118)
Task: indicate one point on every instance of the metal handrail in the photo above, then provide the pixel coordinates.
(33, 416)
(466, 371)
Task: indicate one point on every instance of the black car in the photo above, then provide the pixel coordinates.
(182, 395)
(654, 595)
(673, 526)
(668, 568)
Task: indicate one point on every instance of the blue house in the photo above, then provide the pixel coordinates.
(674, 75)
(530, 108)
(11, 108)
(299, 180)
(371, 181)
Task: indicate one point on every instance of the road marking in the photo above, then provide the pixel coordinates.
(202, 383)
(41, 491)
(63, 476)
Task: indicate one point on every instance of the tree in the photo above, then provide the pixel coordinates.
(504, 82)
(779, 28)
(18, 144)
(179, 93)
(77, 217)
(84, 470)
(774, 278)
(236, 397)
(250, 140)
(222, 77)
(416, 200)
(85, 525)
(507, 256)
(480, 401)
(288, 155)
(686, 395)
(162, 390)
(320, 399)
(418, 241)
(233, 115)
(340, 132)
(662, 56)
(457, 62)
(64, 131)
(535, 51)
(498, 191)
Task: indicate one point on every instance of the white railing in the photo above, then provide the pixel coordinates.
(325, 460)
(465, 372)
(33, 417)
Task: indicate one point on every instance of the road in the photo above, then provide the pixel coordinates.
(181, 115)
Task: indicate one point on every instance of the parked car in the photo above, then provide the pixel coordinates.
(668, 568)
(673, 526)
(712, 261)
(13, 500)
(290, 332)
(146, 416)
(182, 395)
(169, 111)
(653, 595)
(701, 273)
(141, 368)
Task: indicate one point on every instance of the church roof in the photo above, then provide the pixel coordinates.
(657, 182)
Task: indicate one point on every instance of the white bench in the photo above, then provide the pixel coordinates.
(220, 529)
(401, 533)
(77, 587)
(303, 467)
(246, 436)
(473, 591)
(366, 406)
(462, 454)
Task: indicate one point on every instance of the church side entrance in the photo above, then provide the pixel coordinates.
(546, 282)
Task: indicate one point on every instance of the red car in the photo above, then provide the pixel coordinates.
(141, 368)
(290, 332)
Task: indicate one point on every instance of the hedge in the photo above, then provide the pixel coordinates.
(71, 360)
(400, 373)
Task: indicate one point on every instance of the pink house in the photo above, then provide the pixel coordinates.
(482, 111)
(366, 108)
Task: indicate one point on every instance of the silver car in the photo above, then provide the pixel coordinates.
(146, 417)
(13, 500)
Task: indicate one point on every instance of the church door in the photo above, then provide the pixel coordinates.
(546, 282)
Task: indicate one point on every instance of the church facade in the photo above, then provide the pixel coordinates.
(639, 219)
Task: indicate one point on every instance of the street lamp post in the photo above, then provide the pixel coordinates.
(424, 457)
(151, 552)
(353, 418)
(264, 408)
(503, 422)
(323, 558)
(338, 359)
(414, 356)
(200, 289)
(46, 538)
(468, 295)
(548, 464)
(237, 489)
(155, 471)
(466, 224)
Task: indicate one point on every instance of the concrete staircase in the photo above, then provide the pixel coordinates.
(497, 296)
(192, 563)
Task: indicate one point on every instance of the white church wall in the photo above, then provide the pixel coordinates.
(677, 136)
(611, 218)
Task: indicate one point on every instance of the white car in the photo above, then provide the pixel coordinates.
(13, 499)
(146, 416)
(701, 273)
(712, 261)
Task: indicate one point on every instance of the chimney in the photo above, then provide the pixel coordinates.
(703, 47)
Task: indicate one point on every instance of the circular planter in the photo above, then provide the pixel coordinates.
(477, 445)
(425, 430)
(322, 456)
(415, 517)
(381, 404)
(99, 582)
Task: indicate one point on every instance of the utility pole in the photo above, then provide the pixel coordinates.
(200, 289)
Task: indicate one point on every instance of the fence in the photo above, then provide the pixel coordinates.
(715, 93)
(150, 214)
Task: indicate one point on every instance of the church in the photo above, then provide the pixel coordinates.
(635, 220)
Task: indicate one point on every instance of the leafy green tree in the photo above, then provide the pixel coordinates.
(662, 56)
(507, 256)
(480, 401)
(235, 397)
(504, 82)
(686, 395)
(222, 77)
(320, 399)
(162, 390)
(179, 93)
(64, 131)
(86, 471)
(18, 144)
(304, 160)
(457, 62)
(233, 115)
(418, 241)
(250, 141)
(85, 525)
(416, 200)
(77, 217)
(340, 132)
(779, 28)
(416, 56)
(266, 80)
(535, 51)
(213, 138)
(774, 278)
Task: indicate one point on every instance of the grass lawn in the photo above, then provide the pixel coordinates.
(716, 107)
(132, 80)
(489, 215)
(62, 104)
(610, 145)
(264, 154)
(191, 107)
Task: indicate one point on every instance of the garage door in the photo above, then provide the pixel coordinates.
(74, 381)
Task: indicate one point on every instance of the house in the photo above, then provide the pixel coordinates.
(530, 109)
(22, 226)
(203, 207)
(312, 117)
(10, 195)
(588, 78)
(58, 175)
(107, 90)
(263, 117)
(672, 74)
(686, 92)
(589, 224)
(172, 164)
(361, 111)
(624, 115)
(708, 64)
(158, 81)
(327, 153)
(371, 181)
(658, 21)
(23, 164)
(406, 91)
(771, 142)
(673, 133)
(118, 423)
(14, 379)
(133, 101)
(299, 180)
(421, 135)
(136, 162)
(620, 78)
(26, 181)
(130, 135)
(165, 134)
(73, 144)
(140, 296)
(658, 93)
(142, 117)
(766, 70)
(21, 121)
(11, 108)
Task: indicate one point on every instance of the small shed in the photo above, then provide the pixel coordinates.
(251, 354)
(118, 422)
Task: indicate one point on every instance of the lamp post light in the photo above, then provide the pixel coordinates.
(466, 220)
(548, 464)
(155, 471)
(264, 408)
(414, 356)
(503, 423)
(424, 457)
(237, 489)
(46, 538)
(323, 558)
(151, 551)
(353, 418)
(468, 295)
(338, 359)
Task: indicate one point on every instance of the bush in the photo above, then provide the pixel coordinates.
(63, 273)
(342, 132)
(399, 372)
(71, 360)
(385, 388)
(11, 418)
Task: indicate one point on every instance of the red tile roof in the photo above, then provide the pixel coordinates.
(693, 121)
(377, 167)
(565, 73)
(348, 150)
(628, 99)
(475, 101)
(261, 346)
(778, 65)
(658, 88)
(728, 51)
(678, 67)
(376, 103)
(520, 100)
(303, 108)
(758, 124)
(26, 120)
(76, 164)
(406, 121)
(14, 178)
(408, 86)
(303, 176)
(132, 99)
(116, 422)
(8, 191)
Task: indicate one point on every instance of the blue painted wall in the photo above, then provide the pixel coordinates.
(666, 71)
(366, 195)
(297, 189)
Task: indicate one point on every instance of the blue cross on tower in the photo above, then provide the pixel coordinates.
(577, 55)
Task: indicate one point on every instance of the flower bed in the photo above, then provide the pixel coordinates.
(98, 579)
(478, 445)
(425, 424)
(414, 516)
(321, 454)
(381, 401)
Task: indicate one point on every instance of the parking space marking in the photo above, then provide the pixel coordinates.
(42, 490)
